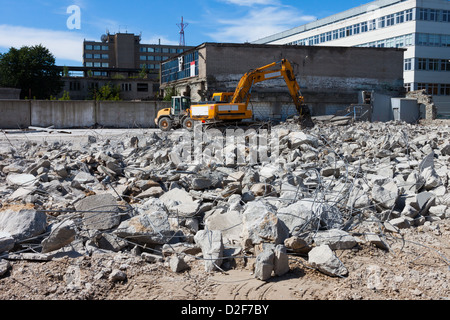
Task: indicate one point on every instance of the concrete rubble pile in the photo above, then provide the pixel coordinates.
(331, 188)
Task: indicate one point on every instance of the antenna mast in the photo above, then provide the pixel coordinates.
(182, 27)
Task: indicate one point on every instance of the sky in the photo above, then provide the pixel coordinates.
(61, 26)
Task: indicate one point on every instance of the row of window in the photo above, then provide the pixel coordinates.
(436, 89)
(379, 23)
(104, 56)
(153, 58)
(181, 68)
(96, 47)
(150, 66)
(427, 64)
(418, 39)
(158, 50)
(433, 15)
(97, 64)
(358, 28)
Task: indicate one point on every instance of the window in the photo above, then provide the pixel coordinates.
(390, 20)
(89, 64)
(445, 40)
(335, 34)
(381, 22)
(422, 39)
(151, 58)
(434, 40)
(88, 56)
(97, 56)
(142, 49)
(180, 50)
(433, 15)
(363, 27)
(157, 49)
(342, 33)
(421, 64)
(433, 88)
(445, 90)
(151, 66)
(423, 14)
(142, 87)
(158, 58)
(372, 25)
(408, 64)
(97, 64)
(88, 47)
(126, 86)
(143, 58)
(445, 16)
(356, 28)
(409, 40)
(445, 65)
(409, 15)
(150, 50)
(105, 65)
(105, 56)
(97, 47)
(400, 17)
(165, 50)
(348, 31)
(316, 39)
(322, 38)
(407, 87)
(173, 50)
(328, 36)
(433, 64)
(74, 86)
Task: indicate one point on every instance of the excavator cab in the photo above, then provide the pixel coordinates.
(176, 116)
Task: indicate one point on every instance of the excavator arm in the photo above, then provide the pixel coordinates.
(243, 90)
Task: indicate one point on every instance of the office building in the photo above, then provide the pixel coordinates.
(422, 27)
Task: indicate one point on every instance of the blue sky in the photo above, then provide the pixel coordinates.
(45, 22)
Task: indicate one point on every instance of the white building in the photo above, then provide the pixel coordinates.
(420, 26)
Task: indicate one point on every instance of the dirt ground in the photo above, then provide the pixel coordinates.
(416, 268)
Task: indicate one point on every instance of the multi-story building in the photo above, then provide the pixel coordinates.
(420, 26)
(125, 51)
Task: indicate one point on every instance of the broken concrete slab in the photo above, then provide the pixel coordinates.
(23, 224)
(61, 234)
(297, 244)
(4, 266)
(264, 265)
(100, 212)
(21, 180)
(177, 264)
(336, 239)
(229, 223)
(210, 241)
(180, 202)
(281, 260)
(323, 259)
(7, 242)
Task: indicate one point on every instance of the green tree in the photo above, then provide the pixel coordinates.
(106, 92)
(31, 69)
(169, 93)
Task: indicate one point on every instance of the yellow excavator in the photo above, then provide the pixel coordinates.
(232, 106)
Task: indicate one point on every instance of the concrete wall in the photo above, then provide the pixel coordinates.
(15, 114)
(128, 114)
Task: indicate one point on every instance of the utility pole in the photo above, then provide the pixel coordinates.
(182, 27)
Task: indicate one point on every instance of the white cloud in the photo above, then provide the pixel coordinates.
(249, 3)
(64, 45)
(259, 23)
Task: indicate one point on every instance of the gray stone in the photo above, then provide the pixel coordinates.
(299, 216)
(335, 239)
(377, 241)
(386, 196)
(264, 265)
(147, 228)
(84, 177)
(100, 212)
(23, 224)
(262, 190)
(151, 192)
(117, 275)
(427, 162)
(177, 264)
(401, 222)
(22, 180)
(61, 234)
(111, 242)
(212, 248)
(151, 258)
(261, 224)
(4, 266)
(297, 244)
(7, 242)
(201, 183)
(229, 223)
(178, 201)
(281, 260)
(299, 138)
(323, 259)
